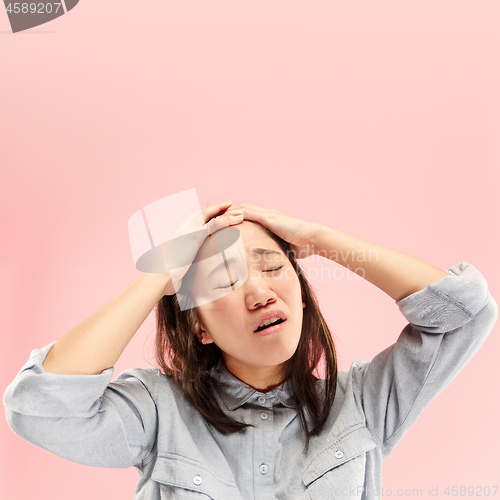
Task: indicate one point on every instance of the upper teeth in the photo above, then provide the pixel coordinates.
(269, 321)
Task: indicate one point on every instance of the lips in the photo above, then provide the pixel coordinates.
(274, 313)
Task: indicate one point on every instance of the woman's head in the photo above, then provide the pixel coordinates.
(195, 339)
(264, 284)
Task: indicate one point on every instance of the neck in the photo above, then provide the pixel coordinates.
(260, 378)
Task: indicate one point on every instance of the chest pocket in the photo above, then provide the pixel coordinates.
(181, 478)
(338, 472)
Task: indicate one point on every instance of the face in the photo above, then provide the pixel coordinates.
(271, 288)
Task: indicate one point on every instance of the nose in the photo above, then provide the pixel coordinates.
(258, 293)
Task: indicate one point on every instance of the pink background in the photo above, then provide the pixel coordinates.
(378, 118)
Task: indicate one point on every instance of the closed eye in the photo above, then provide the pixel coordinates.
(236, 281)
(228, 286)
(271, 270)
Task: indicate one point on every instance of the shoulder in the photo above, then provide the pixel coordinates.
(148, 379)
(349, 380)
(348, 391)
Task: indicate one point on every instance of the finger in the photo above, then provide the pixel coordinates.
(214, 210)
(226, 220)
(257, 215)
(250, 212)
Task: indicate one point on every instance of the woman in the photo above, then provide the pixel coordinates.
(236, 412)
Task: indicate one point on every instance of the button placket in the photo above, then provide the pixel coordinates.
(263, 417)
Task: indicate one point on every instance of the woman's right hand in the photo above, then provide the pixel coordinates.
(182, 251)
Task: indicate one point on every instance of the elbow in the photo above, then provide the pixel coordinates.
(488, 315)
(22, 425)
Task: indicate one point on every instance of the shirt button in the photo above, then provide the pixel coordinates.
(264, 415)
(263, 468)
(338, 454)
(197, 480)
(262, 400)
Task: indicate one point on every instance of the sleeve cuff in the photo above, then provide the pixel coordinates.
(449, 303)
(36, 392)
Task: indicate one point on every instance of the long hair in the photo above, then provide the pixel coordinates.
(182, 356)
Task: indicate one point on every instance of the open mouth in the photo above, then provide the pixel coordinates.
(274, 323)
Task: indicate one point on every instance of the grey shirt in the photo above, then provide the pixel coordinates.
(141, 419)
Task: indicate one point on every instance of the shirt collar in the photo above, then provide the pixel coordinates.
(234, 392)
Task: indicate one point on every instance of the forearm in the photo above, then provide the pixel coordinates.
(394, 272)
(97, 343)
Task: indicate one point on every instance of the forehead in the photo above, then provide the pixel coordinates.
(244, 242)
(253, 238)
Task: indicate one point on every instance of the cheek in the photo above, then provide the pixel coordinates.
(291, 285)
(222, 314)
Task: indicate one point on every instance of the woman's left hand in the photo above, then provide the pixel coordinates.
(299, 233)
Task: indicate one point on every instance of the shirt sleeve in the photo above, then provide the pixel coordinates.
(448, 322)
(85, 418)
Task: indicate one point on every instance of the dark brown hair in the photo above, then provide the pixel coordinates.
(182, 356)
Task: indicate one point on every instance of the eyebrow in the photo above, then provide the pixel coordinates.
(264, 251)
